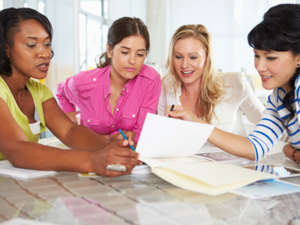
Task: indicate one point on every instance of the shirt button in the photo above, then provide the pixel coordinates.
(112, 126)
(117, 109)
(123, 89)
(105, 96)
(89, 120)
(127, 90)
(133, 115)
(94, 79)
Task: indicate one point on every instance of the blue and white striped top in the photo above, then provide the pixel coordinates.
(270, 129)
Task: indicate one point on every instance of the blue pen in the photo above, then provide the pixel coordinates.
(126, 139)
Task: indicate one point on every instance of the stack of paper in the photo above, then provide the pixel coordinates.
(168, 146)
(9, 170)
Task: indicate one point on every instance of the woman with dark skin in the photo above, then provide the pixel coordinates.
(27, 106)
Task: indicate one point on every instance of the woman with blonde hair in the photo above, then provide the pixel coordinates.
(276, 46)
(192, 81)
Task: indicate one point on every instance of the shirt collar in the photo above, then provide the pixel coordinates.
(106, 84)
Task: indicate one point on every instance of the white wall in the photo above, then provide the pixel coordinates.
(229, 22)
(158, 17)
(131, 8)
(60, 13)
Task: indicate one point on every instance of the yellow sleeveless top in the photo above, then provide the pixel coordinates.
(40, 93)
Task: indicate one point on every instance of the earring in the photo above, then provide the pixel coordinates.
(8, 54)
(298, 65)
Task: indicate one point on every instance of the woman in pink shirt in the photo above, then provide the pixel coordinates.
(122, 90)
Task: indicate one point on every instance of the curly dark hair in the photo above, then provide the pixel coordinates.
(10, 20)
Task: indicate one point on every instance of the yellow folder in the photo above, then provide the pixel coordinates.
(203, 176)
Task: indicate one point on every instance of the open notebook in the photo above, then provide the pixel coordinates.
(168, 146)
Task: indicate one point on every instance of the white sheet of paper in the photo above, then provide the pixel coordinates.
(163, 162)
(167, 137)
(141, 169)
(209, 149)
(19, 173)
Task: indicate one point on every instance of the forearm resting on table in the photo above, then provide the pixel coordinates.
(232, 143)
(31, 155)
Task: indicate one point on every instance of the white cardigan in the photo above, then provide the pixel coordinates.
(239, 99)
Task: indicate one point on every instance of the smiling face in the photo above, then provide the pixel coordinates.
(30, 53)
(189, 59)
(275, 68)
(127, 57)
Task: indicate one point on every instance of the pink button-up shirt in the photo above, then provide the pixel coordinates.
(90, 91)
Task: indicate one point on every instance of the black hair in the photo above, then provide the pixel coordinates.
(120, 29)
(10, 20)
(280, 31)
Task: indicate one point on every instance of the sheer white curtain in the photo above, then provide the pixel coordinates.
(131, 8)
(229, 23)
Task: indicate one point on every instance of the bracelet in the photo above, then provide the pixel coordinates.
(293, 156)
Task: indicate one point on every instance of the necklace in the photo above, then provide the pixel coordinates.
(118, 95)
(194, 106)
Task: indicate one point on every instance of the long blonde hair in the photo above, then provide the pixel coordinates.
(212, 90)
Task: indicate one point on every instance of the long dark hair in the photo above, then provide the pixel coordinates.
(10, 20)
(120, 29)
(280, 31)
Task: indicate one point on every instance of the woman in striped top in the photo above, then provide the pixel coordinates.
(276, 44)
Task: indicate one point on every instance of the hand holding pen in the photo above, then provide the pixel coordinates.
(179, 112)
(172, 107)
(120, 167)
(124, 136)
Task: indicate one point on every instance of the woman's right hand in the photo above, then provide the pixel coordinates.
(113, 154)
(181, 113)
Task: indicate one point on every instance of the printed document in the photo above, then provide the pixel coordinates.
(167, 137)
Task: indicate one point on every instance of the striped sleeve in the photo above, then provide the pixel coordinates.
(268, 131)
(294, 124)
(265, 168)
